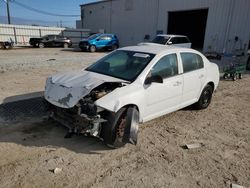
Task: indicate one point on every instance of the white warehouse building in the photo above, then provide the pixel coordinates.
(211, 25)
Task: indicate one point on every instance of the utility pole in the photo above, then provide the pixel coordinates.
(8, 10)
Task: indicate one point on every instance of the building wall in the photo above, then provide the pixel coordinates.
(97, 16)
(226, 19)
(131, 20)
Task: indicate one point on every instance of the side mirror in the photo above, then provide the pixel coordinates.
(169, 43)
(155, 78)
(97, 39)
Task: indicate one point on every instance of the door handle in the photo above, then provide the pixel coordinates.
(177, 83)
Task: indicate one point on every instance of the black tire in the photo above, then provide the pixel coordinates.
(248, 64)
(114, 129)
(114, 47)
(205, 98)
(92, 48)
(41, 45)
(234, 77)
(225, 76)
(240, 76)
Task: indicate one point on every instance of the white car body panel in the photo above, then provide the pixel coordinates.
(151, 100)
(184, 45)
(169, 41)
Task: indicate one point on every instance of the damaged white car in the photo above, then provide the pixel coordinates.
(129, 86)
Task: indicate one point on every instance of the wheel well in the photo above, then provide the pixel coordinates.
(131, 105)
(211, 84)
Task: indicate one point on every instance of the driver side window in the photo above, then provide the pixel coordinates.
(166, 67)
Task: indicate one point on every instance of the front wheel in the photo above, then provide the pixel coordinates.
(205, 98)
(121, 127)
(92, 48)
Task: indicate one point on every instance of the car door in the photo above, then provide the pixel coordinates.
(49, 40)
(193, 76)
(101, 41)
(165, 97)
(58, 40)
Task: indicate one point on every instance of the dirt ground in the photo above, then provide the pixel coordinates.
(30, 150)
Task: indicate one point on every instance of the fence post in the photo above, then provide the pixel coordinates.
(40, 32)
(15, 35)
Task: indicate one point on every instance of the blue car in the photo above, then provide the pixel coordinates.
(99, 41)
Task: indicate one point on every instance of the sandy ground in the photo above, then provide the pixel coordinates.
(30, 150)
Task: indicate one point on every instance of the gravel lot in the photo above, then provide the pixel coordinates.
(30, 150)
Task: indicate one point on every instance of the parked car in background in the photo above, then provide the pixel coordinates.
(50, 41)
(129, 86)
(6, 44)
(176, 40)
(99, 41)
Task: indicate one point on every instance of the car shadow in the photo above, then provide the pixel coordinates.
(73, 49)
(25, 121)
(76, 49)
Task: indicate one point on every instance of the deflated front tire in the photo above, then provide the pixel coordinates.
(121, 127)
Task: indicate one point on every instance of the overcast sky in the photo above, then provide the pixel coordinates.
(65, 7)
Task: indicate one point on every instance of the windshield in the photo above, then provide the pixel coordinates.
(160, 39)
(126, 65)
(91, 37)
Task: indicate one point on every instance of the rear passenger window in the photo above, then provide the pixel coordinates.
(183, 40)
(191, 62)
(166, 66)
(175, 40)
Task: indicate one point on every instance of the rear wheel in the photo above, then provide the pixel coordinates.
(92, 48)
(41, 45)
(116, 127)
(65, 45)
(205, 98)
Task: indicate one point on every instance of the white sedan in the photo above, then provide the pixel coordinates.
(129, 86)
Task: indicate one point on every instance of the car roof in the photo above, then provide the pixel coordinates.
(170, 35)
(156, 49)
(100, 34)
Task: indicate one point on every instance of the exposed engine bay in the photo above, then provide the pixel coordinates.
(85, 117)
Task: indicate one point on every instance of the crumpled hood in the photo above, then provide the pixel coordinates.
(73, 79)
(65, 90)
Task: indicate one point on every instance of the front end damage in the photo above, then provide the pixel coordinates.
(85, 117)
(73, 105)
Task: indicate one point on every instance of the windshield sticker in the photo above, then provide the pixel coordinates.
(141, 55)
